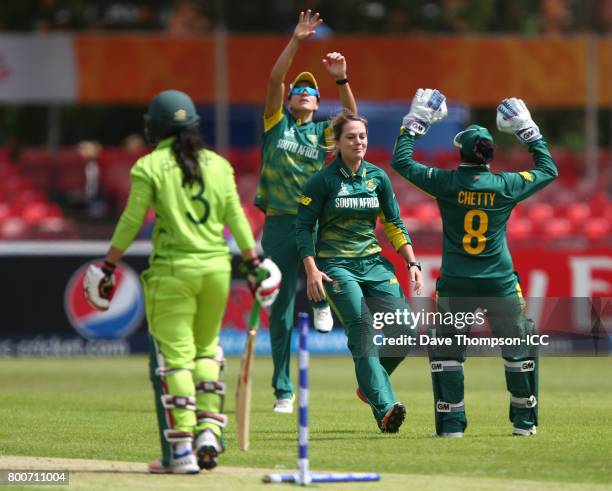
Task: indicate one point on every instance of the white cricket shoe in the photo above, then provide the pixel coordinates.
(284, 406)
(448, 434)
(322, 319)
(208, 447)
(179, 464)
(523, 431)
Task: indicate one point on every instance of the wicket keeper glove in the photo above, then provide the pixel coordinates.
(264, 280)
(514, 117)
(428, 107)
(99, 285)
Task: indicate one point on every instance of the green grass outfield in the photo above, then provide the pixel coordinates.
(102, 409)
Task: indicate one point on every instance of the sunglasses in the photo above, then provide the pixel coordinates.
(302, 89)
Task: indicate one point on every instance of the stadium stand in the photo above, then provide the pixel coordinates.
(569, 213)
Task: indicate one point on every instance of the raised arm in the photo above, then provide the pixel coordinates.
(428, 107)
(514, 117)
(336, 66)
(305, 28)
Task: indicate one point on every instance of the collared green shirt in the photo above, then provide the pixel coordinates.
(346, 206)
(190, 219)
(475, 205)
(292, 151)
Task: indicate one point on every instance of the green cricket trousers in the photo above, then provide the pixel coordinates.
(357, 285)
(278, 242)
(184, 309)
(502, 301)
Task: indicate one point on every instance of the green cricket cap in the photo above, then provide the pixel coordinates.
(172, 109)
(466, 140)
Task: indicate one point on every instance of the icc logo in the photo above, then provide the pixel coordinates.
(120, 320)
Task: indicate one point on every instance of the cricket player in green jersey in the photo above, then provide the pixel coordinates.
(193, 193)
(345, 265)
(294, 148)
(477, 269)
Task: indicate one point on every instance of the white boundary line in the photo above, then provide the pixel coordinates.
(69, 248)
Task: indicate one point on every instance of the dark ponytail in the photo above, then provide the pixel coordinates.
(186, 147)
(482, 154)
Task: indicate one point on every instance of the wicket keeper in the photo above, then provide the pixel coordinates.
(477, 269)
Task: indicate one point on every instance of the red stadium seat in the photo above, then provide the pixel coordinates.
(608, 212)
(255, 217)
(14, 228)
(37, 211)
(448, 159)
(5, 212)
(557, 229)
(519, 229)
(577, 214)
(54, 228)
(34, 157)
(599, 202)
(251, 160)
(8, 170)
(518, 212)
(540, 213)
(422, 156)
(597, 229)
(379, 156)
(426, 212)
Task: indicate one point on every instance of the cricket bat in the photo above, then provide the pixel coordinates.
(243, 390)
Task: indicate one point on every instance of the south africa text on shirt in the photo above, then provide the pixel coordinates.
(298, 148)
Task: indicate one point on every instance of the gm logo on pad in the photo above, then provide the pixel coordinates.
(120, 320)
(443, 407)
(528, 366)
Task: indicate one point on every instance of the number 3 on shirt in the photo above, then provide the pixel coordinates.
(199, 196)
(474, 240)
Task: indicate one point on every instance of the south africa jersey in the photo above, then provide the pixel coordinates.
(475, 205)
(292, 151)
(347, 205)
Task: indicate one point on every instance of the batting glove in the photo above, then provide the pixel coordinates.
(428, 107)
(99, 285)
(264, 280)
(514, 117)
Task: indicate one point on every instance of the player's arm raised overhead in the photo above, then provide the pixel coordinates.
(514, 117)
(336, 66)
(305, 28)
(428, 107)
